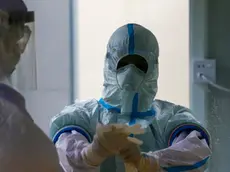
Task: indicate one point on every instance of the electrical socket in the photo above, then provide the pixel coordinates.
(205, 67)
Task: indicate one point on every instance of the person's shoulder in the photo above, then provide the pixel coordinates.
(162, 104)
(165, 103)
(78, 114)
(85, 102)
(163, 107)
(79, 106)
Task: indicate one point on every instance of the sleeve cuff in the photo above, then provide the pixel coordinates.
(186, 168)
(188, 127)
(68, 129)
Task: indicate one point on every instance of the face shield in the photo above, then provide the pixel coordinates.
(14, 36)
(24, 76)
(20, 23)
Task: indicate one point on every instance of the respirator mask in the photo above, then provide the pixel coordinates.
(130, 76)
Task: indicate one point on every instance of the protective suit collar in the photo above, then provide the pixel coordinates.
(131, 39)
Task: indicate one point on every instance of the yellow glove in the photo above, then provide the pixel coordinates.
(131, 155)
(137, 162)
(109, 140)
(149, 164)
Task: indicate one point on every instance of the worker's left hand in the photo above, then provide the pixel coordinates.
(131, 154)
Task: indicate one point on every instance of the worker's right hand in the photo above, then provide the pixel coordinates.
(149, 163)
(131, 155)
(109, 140)
(136, 161)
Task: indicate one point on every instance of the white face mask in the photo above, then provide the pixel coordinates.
(129, 79)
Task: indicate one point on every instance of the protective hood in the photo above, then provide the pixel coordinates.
(131, 39)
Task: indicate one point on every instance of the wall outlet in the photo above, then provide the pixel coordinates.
(205, 67)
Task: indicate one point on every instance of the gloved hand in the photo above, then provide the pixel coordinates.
(109, 140)
(187, 150)
(149, 163)
(137, 162)
(131, 155)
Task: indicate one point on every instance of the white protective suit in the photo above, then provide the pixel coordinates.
(172, 135)
(23, 145)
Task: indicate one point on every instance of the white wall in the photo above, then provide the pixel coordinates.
(52, 44)
(168, 20)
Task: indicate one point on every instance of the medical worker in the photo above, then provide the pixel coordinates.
(84, 134)
(23, 146)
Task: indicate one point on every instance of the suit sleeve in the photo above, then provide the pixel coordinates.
(188, 143)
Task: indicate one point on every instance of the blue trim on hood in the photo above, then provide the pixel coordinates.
(131, 38)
